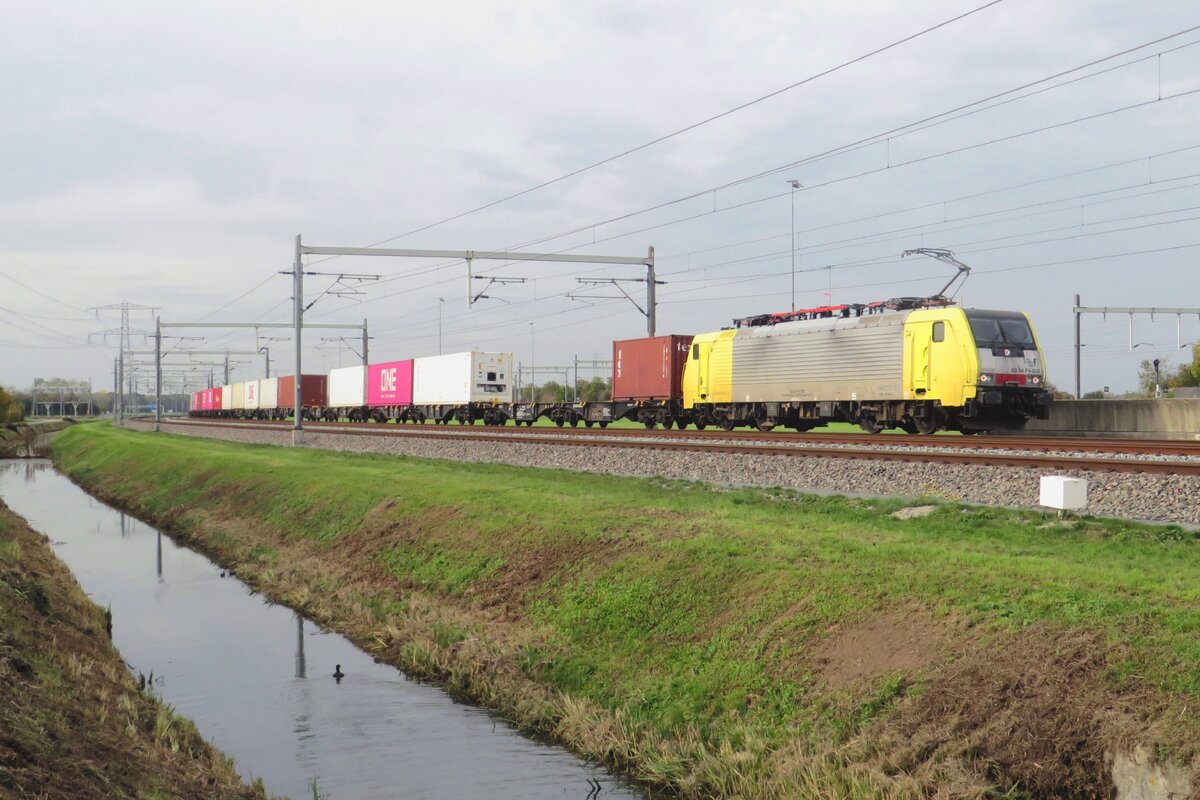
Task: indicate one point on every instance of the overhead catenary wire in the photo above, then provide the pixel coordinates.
(893, 133)
(806, 251)
(692, 126)
(975, 220)
(944, 153)
(434, 269)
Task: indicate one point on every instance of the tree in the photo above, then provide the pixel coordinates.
(1095, 394)
(594, 390)
(1057, 393)
(551, 392)
(1187, 374)
(10, 409)
(1149, 377)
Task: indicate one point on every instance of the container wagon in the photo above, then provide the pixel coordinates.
(465, 387)
(347, 394)
(312, 396)
(390, 392)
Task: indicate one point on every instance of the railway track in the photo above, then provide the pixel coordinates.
(1096, 455)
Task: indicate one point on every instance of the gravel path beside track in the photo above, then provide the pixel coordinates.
(1162, 498)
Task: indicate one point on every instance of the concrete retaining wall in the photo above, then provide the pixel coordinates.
(1147, 419)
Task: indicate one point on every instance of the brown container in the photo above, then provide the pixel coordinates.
(312, 391)
(649, 369)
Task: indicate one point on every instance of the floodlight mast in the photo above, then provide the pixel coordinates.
(943, 255)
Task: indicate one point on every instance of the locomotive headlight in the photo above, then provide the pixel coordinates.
(1036, 380)
(985, 378)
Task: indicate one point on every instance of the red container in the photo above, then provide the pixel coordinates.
(312, 391)
(649, 369)
(217, 391)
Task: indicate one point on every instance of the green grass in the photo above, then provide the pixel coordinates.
(679, 605)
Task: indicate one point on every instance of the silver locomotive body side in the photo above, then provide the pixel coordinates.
(852, 359)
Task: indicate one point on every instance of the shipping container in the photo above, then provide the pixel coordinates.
(312, 391)
(268, 394)
(251, 395)
(226, 398)
(390, 383)
(461, 378)
(239, 396)
(649, 368)
(346, 387)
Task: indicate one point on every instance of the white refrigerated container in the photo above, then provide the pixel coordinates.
(346, 387)
(251, 395)
(268, 394)
(460, 378)
(226, 398)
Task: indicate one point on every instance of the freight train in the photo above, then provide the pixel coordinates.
(917, 364)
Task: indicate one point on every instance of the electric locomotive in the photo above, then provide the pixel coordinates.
(918, 364)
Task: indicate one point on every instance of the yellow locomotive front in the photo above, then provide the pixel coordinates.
(974, 369)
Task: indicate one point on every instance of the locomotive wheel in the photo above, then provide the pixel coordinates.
(587, 423)
(725, 424)
(559, 422)
(765, 425)
(869, 424)
(701, 424)
(603, 424)
(649, 424)
(925, 427)
(574, 422)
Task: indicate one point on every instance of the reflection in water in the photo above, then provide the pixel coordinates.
(299, 646)
(222, 651)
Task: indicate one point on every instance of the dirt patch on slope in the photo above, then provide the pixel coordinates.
(897, 641)
(1036, 710)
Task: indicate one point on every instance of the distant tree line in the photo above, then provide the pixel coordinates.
(592, 390)
(1167, 377)
(11, 409)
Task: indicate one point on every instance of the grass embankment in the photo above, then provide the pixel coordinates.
(721, 642)
(73, 722)
(17, 438)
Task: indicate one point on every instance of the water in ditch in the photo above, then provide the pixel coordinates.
(258, 679)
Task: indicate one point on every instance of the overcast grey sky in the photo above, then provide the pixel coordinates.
(168, 153)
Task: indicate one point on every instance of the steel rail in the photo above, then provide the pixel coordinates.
(1023, 460)
(1158, 447)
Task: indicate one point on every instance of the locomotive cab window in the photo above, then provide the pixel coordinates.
(939, 331)
(695, 352)
(1000, 328)
(491, 376)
